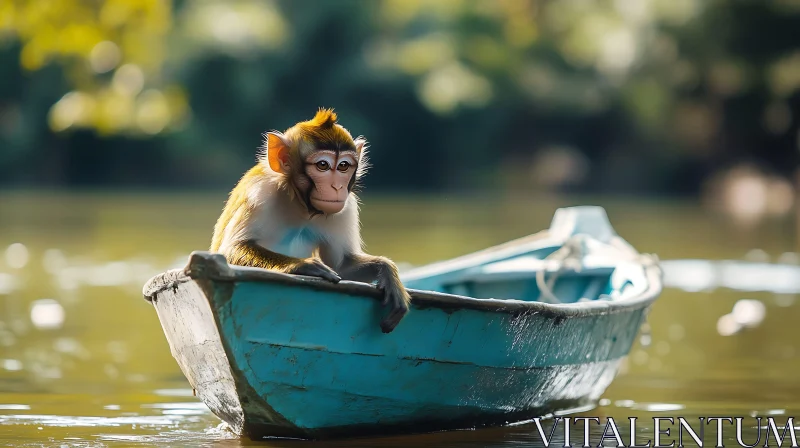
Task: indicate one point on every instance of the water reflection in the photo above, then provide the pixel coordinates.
(47, 314)
(7, 283)
(84, 362)
(72, 421)
(708, 275)
(12, 364)
(16, 256)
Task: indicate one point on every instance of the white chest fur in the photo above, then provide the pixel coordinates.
(298, 242)
(281, 226)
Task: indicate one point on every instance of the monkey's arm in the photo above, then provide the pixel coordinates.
(248, 253)
(367, 268)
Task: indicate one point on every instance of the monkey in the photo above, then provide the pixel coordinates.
(297, 212)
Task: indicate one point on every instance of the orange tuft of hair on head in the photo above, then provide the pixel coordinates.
(324, 128)
(325, 119)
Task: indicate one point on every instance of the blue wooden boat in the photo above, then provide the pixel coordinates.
(517, 331)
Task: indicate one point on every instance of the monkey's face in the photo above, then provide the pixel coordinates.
(330, 173)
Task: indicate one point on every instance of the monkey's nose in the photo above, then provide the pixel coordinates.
(337, 187)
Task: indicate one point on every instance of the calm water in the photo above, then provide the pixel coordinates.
(84, 362)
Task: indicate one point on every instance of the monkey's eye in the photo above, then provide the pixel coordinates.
(343, 166)
(322, 165)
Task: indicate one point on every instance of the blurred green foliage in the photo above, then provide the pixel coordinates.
(596, 95)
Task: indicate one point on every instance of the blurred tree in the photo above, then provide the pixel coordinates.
(112, 52)
(596, 95)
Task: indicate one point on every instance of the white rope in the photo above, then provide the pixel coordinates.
(570, 257)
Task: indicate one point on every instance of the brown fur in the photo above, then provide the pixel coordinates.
(236, 203)
(266, 203)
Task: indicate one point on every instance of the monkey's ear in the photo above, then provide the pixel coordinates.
(363, 160)
(277, 152)
(360, 143)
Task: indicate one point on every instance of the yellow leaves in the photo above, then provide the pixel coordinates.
(521, 32)
(115, 13)
(55, 29)
(453, 85)
(421, 55)
(73, 109)
(91, 38)
(111, 110)
(145, 50)
(677, 12)
(128, 80)
(235, 26)
(519, 22)
(7, 14)
(401, 12)
(178, 104)
(140, 27)
(438, 59)
(152, 112)
(51, 29)
(104, 56)
(78, 39)
(50, 42)
(151, 15)
(32, 57)
(488, 52)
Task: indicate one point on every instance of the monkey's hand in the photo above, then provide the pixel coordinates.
(362, 267)
(314, 267)
(397, 298)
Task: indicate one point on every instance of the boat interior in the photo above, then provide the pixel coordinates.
(516, 279)
(579, 259)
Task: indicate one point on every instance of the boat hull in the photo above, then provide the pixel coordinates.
(285, 356)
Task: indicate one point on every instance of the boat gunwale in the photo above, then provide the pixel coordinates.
(213, 267)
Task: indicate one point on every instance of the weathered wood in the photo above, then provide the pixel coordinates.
(194, 341)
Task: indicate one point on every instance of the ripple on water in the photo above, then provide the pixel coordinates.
(658, 407)
(651, 407)
(189, 408)
(14, 407)
(751, 276)
(12, 365)
(7, 283)
(17, 256)
(191, 438)
(85, 421)
(47, 314)
(174, 392)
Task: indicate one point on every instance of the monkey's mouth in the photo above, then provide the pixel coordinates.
(327, 200)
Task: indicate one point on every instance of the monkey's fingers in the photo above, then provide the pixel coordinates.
(399, 310)
(317, 269)
(326, 272)
(390, 322)
(330, 275)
